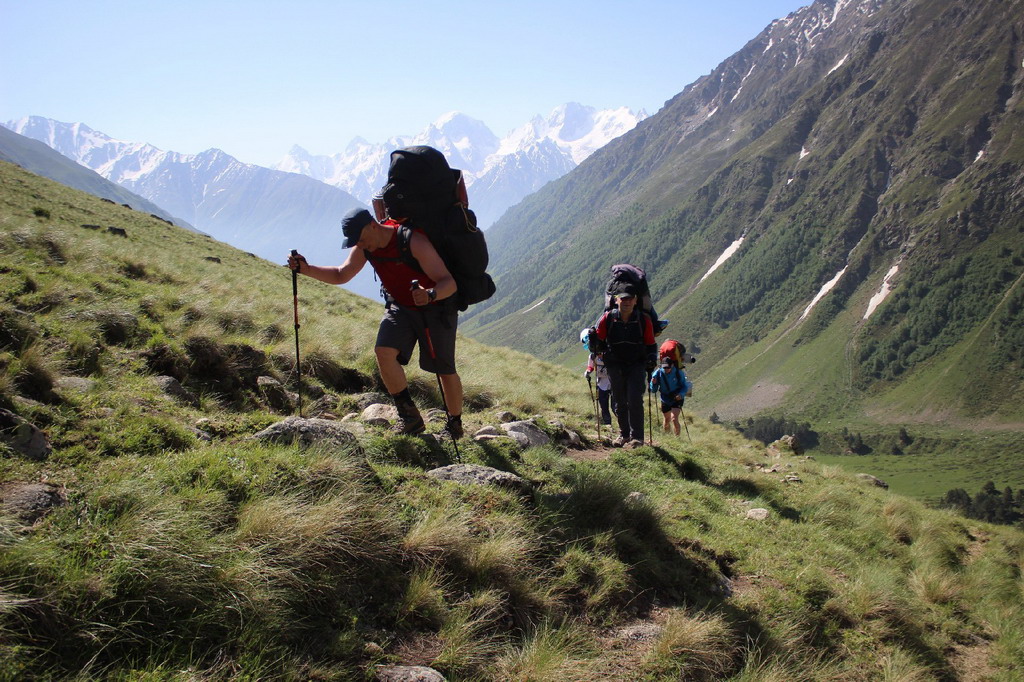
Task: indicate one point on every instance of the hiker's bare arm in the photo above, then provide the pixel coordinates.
(432, 265)
(335, 274)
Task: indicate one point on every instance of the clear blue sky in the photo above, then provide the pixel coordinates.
(254, 77)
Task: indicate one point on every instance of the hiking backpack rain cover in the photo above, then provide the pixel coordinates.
(423, 192)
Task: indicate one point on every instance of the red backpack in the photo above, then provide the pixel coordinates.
(674, 351)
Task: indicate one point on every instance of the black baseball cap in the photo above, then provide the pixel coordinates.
(352, 225)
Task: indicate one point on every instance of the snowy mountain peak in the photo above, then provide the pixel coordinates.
(498, 170)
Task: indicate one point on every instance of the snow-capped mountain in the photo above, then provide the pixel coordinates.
(499, 172)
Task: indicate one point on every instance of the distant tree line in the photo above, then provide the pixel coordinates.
(770, 429)
(990, 504)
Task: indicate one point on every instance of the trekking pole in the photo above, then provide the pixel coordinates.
(597, 414)
(295, 301)
(430, 346)
(683, 415)
(650, 418)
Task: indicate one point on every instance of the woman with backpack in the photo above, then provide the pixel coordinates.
(631, 356)
(672, 386)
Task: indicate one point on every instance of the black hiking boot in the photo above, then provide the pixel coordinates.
(409, 427)
(453, 427)
(409, 419)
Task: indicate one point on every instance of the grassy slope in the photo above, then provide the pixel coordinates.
(178, 559)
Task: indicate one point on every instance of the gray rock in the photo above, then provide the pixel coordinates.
(475, 474)
(785, 446)
(75, 384)
(569, 438)
(407, 673)
(485, 437)
(275, 394)
(505, 416)
(487, 431)
(758, 514)
(526, 433)
(635, 498)
(325, 404)
(23, 437)
(30, 501)
(873, 481)
(307, 432)
(379, 414)
(792, 478)
(364, 400)
(172, 387)
(436, 415)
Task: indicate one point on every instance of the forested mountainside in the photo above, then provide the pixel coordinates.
(835, 209)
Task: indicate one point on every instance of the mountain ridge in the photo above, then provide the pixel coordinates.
(834, 146)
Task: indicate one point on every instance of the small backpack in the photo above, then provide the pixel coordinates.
(423, 192)
(676, 352)
(627, 278)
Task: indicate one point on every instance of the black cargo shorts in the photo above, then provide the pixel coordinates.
(432, 326)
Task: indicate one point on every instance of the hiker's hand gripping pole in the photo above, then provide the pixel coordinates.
(295, 301)
(419, 294)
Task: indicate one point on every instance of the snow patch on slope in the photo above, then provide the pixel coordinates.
(883, 292)
(839, 64)
(726, 255)
(825, 288)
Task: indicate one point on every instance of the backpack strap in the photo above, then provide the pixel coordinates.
(404, 250)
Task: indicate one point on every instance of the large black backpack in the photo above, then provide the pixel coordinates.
(629, 278)
(423, 192)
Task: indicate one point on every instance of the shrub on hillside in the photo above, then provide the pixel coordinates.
(769, 429)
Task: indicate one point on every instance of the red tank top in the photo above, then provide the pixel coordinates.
(396, 275)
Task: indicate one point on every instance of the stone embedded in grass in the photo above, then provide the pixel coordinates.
(308, 432)
(874, 481)
(75, 384)
(275, 394)
(526, 433)
(23, 437)
(30, 501)
(364, 400)
(475, 474)
(379, 414)
(172, 387)
(407, 673)
(758, 514)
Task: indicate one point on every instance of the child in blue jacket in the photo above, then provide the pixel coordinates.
(673, 387)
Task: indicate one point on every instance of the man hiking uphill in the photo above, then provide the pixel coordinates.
(632, 355)
(421, 307)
